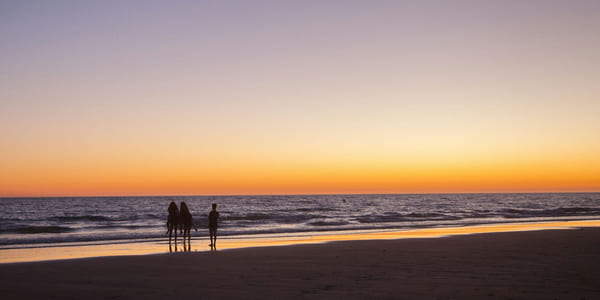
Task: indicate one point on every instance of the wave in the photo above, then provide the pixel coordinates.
(248, 217)
(37, 229)
(387, 218)
(305, 209)
(92, 218)
(396, 217)
(424, 215)
(155, 216)
(328, 223)
(321, 209)
(512, 213)
(128, 227)
(82, 219)
(258, 218)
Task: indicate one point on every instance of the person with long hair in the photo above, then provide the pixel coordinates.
(186, 223)
(172, 222)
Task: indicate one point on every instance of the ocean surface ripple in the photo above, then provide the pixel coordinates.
(35, 221)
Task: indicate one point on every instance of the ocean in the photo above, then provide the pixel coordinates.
(37, 222)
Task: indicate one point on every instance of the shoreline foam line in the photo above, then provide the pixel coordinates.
(200, 244)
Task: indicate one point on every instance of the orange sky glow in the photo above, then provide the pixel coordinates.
(299, 98)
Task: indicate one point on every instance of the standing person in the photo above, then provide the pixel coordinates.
(172, 222)
(213, 223)
(186, 222)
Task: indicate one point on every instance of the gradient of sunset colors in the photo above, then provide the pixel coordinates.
(286, 97)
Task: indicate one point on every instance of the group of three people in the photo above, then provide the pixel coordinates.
(182, 219)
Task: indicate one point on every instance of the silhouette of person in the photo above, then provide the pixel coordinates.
(186, 222)
(172, 222)
(213, 223)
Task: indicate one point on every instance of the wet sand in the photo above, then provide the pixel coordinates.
(548, 264)
(200, 242)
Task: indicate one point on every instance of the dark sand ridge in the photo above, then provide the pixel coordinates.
(548, 264)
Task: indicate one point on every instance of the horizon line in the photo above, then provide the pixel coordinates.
(299, 194)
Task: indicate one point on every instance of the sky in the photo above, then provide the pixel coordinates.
(298, 97)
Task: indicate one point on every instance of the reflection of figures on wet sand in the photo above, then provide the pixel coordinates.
(213, 220)
(186, 222)
(173, 223)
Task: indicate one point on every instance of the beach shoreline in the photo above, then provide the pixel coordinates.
(200, 244)
(536, 264)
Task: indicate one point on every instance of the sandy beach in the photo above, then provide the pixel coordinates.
(548, 264)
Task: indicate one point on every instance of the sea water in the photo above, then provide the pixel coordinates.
(35, 222)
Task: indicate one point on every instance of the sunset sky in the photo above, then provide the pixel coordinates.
(288, 97)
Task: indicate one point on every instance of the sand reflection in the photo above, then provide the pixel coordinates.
(202, 244)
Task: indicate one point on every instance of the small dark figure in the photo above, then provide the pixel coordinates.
(186, 222)
(213, 223)
(172, 222)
